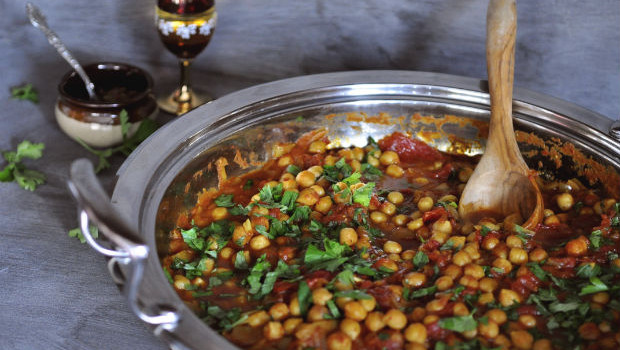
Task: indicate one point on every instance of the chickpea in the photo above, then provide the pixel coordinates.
(348, 236)
(443, 226)
(351, 328)
(486, 298)
(444, 283)
(324, 205)
(577, 246)
(552, 220)
(392, 247)
(489, 243)
(400, 219)
(472, 250)
(527, 321)
(375, 321)
(538, 255)
(453, 271)
(258, 318)
(513, 241)
(565, 201)
(508, 297)
(473, 270)
(502, 264)
(542, 344)
(273, 330)
(417, 314)
(226, 253)
(394, 170)
(601, 298)
(293, 306)
(425, 204)
(395, 319)
(369, 303)
(338, 341)
(503, 342)
(487, 284)
(358, 154)
(469, 282)
(307, 197)
(318, 189)
(461, 258)
(373, 161)
(378, 217)
(415, 224)
(181, 282)
(460, 309)
(219, 213)
(388, 208)
(321, 296)
(395, 197)
(489, 330)
(389, 158)
(289, 185)
(279, 311)
(518, 256)
(291, 324)
(416, 333)
(317, 312)
(437, 304)
(259, 242)
(414, 279)
(521, 339)
(498, 316)
(355, 311)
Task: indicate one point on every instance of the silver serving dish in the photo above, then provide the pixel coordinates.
(159, 178)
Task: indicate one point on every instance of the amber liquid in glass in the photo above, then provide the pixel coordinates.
(186, 26)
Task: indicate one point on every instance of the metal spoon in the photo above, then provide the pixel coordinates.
(38, 21)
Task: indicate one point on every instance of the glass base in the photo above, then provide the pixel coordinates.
(172, 104)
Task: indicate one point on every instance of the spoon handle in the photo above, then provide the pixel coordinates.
(38, 21)
(501, 35)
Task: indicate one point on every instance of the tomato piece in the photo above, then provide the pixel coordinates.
(434, 215)
(408, 149)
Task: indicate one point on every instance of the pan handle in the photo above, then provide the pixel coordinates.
(127, 247)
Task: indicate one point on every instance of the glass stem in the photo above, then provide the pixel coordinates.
(185, 89)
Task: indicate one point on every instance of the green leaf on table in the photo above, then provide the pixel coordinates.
(77, 233)
(16, 171)
(25, 93)
(146, 128)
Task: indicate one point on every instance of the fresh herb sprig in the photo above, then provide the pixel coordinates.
(146, 128)
(25, 93)
(16, 171)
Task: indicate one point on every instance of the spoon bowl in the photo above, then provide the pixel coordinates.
(502, 185)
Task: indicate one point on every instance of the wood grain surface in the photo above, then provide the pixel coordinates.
(55, 293)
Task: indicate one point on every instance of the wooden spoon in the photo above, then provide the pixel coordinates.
(501, 185)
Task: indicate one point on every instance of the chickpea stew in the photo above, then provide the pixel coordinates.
(363, 248)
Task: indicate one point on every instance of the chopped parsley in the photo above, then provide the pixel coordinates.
(224, 200)
(16, 171)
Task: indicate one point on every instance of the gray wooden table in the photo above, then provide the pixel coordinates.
(55, 292)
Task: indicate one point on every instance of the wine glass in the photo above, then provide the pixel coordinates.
(185, 27)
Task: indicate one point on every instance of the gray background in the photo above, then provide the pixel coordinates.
(55, 292)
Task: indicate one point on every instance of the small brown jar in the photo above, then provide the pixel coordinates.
(119, 87)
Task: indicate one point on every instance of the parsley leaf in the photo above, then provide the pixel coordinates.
(224, 200)
(25, 93)
(353, 294)
(370, 172)
(420, 259)
(146, 128)
(329, 259)
(363, 194)
(304, 296)
(77, 233)
(16, 171)
(458, 323)
(588, 270)
(595, 286)
(595, 239)
(293, 169)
